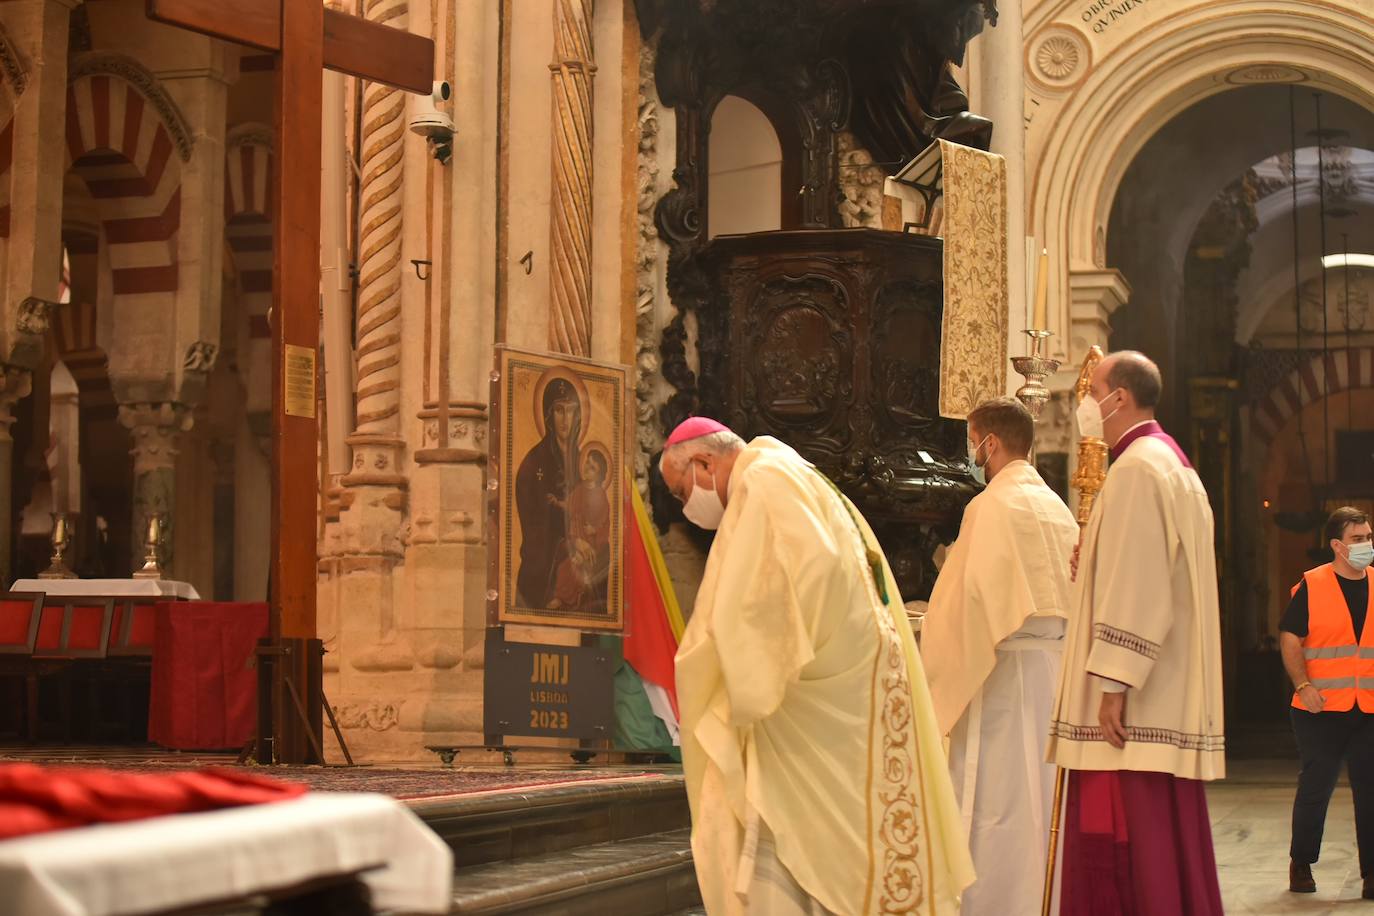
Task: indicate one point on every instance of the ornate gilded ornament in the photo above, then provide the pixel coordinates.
(1092, 451)
(61, 541)
(152, 542)
(1035, 367)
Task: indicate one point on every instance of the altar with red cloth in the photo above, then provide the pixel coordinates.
(204, 680)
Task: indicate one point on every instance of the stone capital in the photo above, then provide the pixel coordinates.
(376, 461)
(1094, 296)
(156, 429)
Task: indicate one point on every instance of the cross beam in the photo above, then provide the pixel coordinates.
(306, 37)
(351, 45)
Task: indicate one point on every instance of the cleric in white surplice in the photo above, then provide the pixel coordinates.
(992, 641)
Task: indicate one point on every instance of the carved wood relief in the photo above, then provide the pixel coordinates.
(826, 337)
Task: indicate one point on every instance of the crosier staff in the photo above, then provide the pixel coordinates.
(1087, 480)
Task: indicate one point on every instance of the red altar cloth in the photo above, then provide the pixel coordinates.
(204, 687)
(36, 799)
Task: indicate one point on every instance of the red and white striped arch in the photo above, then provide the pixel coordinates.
(248, 167)
(247, 171)
(1337, 371)
(74, 341)
(119, 145)
(248, 228)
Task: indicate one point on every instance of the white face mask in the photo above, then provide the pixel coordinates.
(1090, 418)
(703, 508)
(978, 471)
(1359, 556)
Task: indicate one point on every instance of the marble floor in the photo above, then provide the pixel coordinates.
(1250, 830)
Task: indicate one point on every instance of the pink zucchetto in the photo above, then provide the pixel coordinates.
(695, 428)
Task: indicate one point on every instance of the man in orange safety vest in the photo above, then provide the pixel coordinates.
(1328, 651)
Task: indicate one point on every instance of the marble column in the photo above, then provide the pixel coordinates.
(201, 93)
(156, 429)
(35, 32)
(363, 551)
(999, 90)
(14, 384)
(570, 308)
(1093, 296)
(376, 443)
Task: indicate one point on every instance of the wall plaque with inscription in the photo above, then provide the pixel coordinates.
(551, 691)
(299, 380)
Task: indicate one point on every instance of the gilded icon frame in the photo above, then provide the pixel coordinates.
(556, 483)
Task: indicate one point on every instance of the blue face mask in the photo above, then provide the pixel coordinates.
(974, 467)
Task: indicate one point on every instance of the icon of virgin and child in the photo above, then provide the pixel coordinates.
(563, 501)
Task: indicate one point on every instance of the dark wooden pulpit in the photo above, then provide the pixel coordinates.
(830, 340)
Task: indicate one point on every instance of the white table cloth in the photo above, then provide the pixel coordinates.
(134, 588)
(189, 859)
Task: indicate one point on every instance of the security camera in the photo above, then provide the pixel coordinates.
(428, 120)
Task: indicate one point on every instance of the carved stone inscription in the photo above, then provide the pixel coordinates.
(1101, 15)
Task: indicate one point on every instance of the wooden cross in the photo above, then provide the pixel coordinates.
(305, 37)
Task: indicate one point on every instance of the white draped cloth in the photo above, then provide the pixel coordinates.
(992, 640)
(997, 763)
(189, 860)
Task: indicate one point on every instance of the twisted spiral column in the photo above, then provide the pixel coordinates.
(570, 325)
(379, 298)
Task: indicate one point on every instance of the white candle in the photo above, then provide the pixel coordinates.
(1042, 279)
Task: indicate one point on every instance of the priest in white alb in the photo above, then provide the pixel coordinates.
(992, 641)
(814, 769)
(1138, 718)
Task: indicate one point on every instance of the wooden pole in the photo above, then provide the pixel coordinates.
(295, 341)
(1088, 480)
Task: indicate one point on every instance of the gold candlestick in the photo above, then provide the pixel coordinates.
(1035, 368)
(61, 540)
(152, 540)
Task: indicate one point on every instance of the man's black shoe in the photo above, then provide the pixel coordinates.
(1300, 879)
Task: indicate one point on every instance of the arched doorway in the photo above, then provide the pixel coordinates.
(1161, 179)
(745, 188)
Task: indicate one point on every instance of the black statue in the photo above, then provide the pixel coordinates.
(900, 59)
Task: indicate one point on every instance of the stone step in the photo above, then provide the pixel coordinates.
(519, 824)
(646, 876)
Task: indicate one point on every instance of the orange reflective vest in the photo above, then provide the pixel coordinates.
(1339, 665)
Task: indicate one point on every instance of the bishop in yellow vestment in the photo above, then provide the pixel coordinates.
(814, 768)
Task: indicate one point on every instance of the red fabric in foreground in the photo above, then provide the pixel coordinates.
(1137, 844)
(204, 691)
(36, 799)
